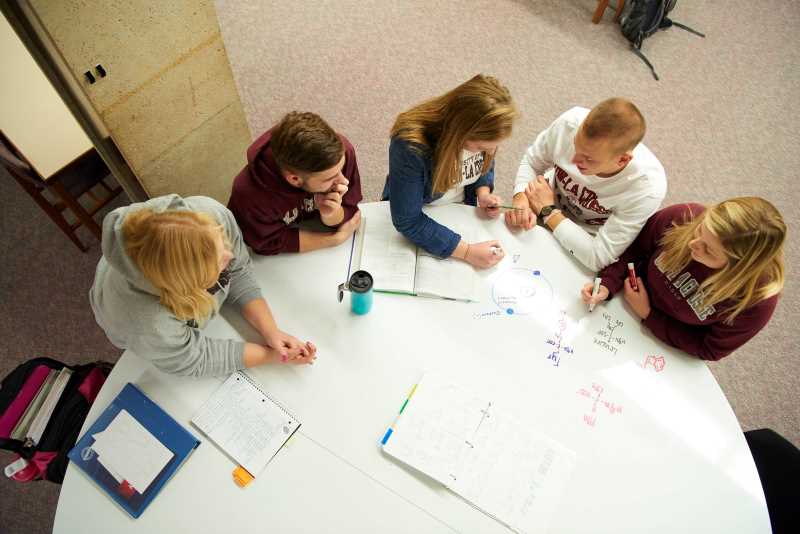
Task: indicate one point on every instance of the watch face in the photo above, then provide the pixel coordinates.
(547, 210)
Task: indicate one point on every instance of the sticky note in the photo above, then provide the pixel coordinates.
(242, 477)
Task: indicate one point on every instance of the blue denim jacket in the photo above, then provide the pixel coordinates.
(408, 187)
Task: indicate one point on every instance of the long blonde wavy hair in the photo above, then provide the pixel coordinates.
(752, 233)
(177, 253)
(480, 109)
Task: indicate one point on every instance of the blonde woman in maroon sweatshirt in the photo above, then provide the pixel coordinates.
(709, 278)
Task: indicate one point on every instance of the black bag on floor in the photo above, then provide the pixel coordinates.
(47, 459)
(642, 18)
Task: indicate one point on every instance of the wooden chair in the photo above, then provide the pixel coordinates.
(601, 7)
(63, 190)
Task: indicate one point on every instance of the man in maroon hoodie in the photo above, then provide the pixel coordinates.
(299, 174)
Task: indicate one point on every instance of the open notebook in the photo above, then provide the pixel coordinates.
(398, 266)
(482, 454)
(245, 422)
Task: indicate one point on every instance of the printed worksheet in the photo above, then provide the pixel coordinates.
(510, 472)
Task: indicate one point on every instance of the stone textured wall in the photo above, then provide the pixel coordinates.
(169, 98)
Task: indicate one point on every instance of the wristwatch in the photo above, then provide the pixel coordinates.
(547, 210)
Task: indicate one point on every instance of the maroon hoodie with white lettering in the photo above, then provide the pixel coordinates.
(268, 208)
(678, 315)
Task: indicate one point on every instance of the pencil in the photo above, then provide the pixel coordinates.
(501, 206)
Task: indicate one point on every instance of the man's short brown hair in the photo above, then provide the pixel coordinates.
(304, 143)
(617, 120)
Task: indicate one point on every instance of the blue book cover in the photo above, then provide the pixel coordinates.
(179, 441)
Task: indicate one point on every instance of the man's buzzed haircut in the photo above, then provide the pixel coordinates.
(617, 120)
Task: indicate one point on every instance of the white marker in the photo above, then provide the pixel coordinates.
(595, 289)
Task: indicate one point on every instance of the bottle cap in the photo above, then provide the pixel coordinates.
(360, 282)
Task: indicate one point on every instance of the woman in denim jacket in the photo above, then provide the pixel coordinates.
(442, 151)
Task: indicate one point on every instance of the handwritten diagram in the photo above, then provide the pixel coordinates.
(605, 337)
(521, 291)
(657, 363)
(595, 394)
(557, 341)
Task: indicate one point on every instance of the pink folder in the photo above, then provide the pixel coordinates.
(23, 399)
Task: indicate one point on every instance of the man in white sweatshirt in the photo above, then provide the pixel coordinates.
(590, 180)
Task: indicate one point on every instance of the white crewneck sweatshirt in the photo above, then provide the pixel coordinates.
(603, 215)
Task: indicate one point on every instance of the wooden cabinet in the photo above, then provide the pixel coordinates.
(168, 97)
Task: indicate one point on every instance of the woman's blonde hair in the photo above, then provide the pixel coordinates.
(752, 233)
(480, 109)
(177, 253)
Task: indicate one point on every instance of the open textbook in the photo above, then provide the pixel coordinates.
(398, 266)
(481, 453)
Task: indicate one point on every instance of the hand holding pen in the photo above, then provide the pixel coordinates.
(593, 293)
(519, 214)
(484, 254)
(490, 205)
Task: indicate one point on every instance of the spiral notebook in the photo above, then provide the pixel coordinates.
(245, 422)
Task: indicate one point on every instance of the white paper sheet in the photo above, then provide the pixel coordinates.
(130, 451)
(487, 457)
(446, 277)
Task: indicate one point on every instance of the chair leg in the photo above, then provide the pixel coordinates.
(59, 219)
(620, 5)
(598, 13)
(77, 209)
(64, 225)
(54, 214)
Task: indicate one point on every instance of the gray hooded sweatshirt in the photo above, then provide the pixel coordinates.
(128, 308)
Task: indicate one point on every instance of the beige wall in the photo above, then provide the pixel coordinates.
(169, 99)
(32, 115)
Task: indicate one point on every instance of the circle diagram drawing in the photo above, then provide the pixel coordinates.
(520, 291)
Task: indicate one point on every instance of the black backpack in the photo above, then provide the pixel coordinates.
(49, 455)
(642, 18)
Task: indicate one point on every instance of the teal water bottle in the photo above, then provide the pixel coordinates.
(360, 286)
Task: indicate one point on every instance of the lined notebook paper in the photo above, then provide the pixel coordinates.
(245, 422)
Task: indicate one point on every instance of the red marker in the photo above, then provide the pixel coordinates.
(632, 277)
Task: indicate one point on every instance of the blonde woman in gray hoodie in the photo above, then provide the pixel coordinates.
(168, 265)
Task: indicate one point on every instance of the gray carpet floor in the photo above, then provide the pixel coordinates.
(720, 120)
(44, 311)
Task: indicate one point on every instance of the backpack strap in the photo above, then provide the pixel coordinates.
(687, 28)
(646, 61)
(18, 446)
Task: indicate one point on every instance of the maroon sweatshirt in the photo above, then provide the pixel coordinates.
(678, 316)
(267, 207)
